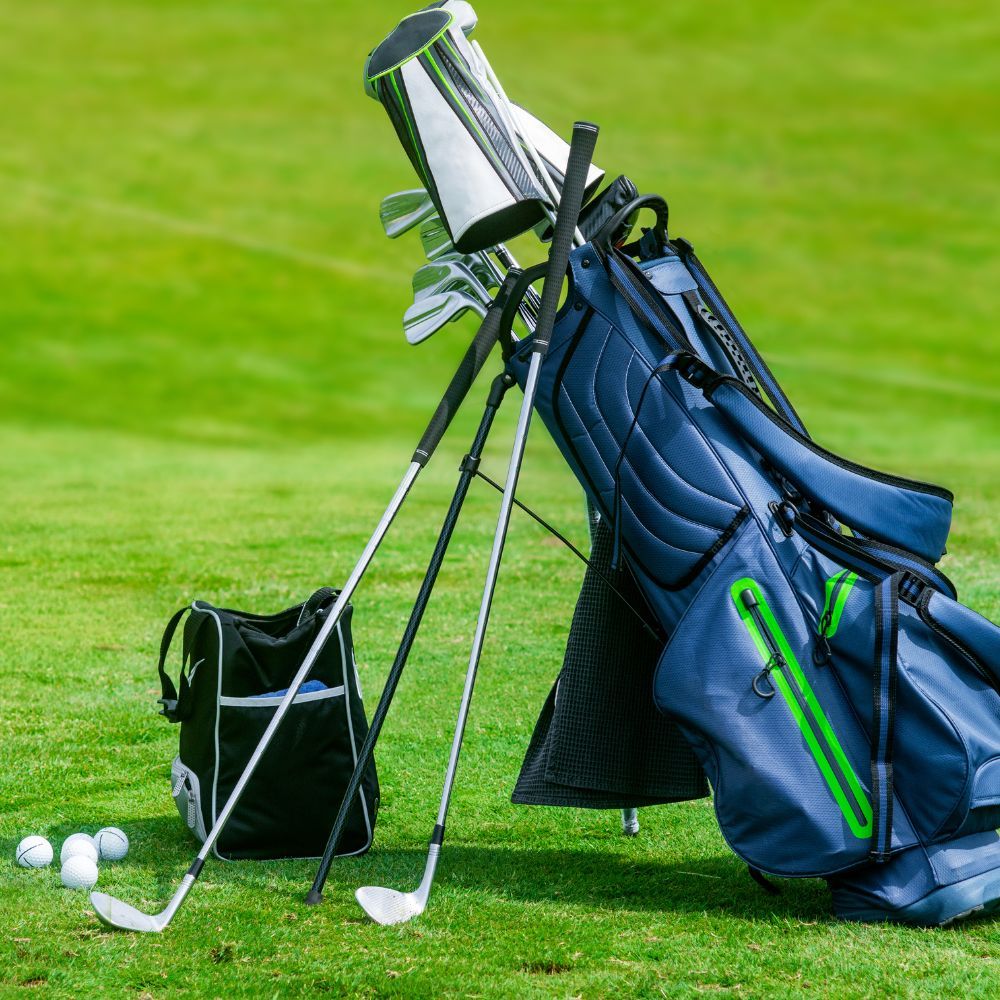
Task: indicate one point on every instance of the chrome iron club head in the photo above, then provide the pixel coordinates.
(423, 319)
(402, 211)
(443, 276)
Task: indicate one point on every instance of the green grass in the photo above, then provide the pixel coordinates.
(204, 393)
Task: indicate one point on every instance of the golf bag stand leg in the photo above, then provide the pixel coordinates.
(389, 906)
(470, 463)
(123, 916)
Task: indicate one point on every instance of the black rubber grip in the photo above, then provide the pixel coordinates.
(461, 382)
(581, 152)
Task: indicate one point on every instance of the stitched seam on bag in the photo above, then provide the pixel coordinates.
(690, 552)
(694, 486)
(714, 529)
(637, 355)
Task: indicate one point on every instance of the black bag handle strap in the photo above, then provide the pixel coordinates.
(605, 237)
(310, 607)
(169, 698)
(523, 280)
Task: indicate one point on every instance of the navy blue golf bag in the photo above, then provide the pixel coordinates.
(844, 706)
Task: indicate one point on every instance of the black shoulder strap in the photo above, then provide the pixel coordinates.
(751, 356)
(169, 697)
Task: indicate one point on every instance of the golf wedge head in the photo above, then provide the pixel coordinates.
(390, 906)
(121, 916)
(423, 319)
(479, 265)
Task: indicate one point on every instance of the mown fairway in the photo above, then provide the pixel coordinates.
(205, 392)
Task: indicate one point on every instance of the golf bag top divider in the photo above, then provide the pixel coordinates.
(461, 142)
(844, 705)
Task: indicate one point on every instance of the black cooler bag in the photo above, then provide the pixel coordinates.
(236, 667)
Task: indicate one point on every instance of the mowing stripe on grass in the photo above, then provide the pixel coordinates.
(201, 230)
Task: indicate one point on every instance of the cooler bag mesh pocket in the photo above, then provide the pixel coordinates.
(184, 787)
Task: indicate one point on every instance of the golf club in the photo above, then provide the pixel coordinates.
(123, 916)
(481, 266)
(437, 244)
(498, 390)
(390, 906)
(423, 319)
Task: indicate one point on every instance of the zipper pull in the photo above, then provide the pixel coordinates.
(750, 602)
(822, 653)
(765, 675)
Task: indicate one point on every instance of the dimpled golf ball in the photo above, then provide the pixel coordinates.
(79, 872)
(78, 844)
(34, 852)
(112, 844)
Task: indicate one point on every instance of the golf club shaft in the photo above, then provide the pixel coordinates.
(500, 385)
(581, 150)
(336, 612)
(492, 574)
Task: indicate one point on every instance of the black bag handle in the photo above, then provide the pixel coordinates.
(651, 201)
(312, 606)
(171, 701)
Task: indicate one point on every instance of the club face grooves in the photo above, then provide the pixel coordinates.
(389, 906)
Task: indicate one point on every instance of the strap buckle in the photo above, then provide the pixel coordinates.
(785, 512)
(693, 370)
(169, 710)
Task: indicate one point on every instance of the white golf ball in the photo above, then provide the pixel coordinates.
(81, 844)
(34, 852)
(79, 872)
(112, 844)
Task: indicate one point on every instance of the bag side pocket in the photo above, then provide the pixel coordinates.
(186, 791)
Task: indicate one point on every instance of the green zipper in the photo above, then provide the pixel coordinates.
(838, 589)
(784, 675)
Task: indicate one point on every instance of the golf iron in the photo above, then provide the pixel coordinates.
(424, 318)
(447, 274)
(123, 916)
(390, 906)
(469, 467)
